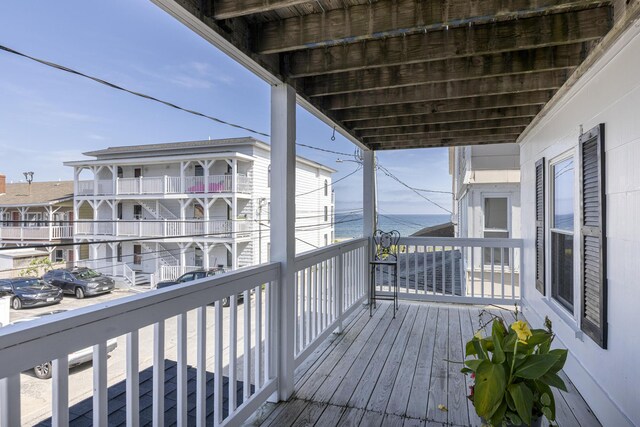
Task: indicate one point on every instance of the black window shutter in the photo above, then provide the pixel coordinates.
(540, 226)
(593, 235)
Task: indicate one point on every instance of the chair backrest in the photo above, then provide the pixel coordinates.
(386, 244)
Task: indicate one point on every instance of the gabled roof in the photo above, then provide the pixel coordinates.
(41, 194)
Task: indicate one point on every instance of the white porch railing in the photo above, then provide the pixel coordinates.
(85, 188)
(104, 187)
(220, 184)
(161, 228)
(244, 184)
(129, 185)
(164, 185)
(55, 232)
(330, 283)
(473, 270)
(244, 348)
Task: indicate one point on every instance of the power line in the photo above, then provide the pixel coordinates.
(153, 98)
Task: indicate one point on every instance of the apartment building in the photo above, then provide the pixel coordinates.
(163, 209)
(37, 213)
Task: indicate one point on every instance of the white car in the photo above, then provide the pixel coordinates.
(76, 358)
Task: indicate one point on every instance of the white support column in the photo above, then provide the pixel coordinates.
(283, 191)
(205, 252)
(369, 206)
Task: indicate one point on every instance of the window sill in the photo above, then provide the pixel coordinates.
(565, 317)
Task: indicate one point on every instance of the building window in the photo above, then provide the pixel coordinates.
(198, 257)
(120, 173)
(198, 170)
(137, 172)
(326, 240)
(59, 255)
(326, 187)
(119, 252)
(562, 217)
(496, 225)
(137, 212)
(269, 176)
(326, 214)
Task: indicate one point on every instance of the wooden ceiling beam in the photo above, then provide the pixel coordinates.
(227, 9)
(454, 133)
(510, 124)
(447, 90)
(485, 103)
(434, 142)
(502, 64)
(395, 18)
(528, 111)
(544, 31)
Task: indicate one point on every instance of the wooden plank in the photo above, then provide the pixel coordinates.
(382, 392)
(367, 382)
(442, 142)
(309, 415)
(288, 413)
(413, 422)
(466, 334)
(331, 416)
(388, 326)
(351, 417)
(474, 105)
(337, 372)
(577, 405)
(551, 30)
(451, 129)
(307, 389)
(391, 420)
(387, 18)
(402, 386)
(227, 9)
(438, 386)
(417, 406)
(307, 367)
(448, 90)
(458, 413)
(476, 116)
(473, 67)
(371, 419)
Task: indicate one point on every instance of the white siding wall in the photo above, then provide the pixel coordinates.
(609, 93)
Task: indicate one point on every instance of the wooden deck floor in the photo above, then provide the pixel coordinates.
(394, 372)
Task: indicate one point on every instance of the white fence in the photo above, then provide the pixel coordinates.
(473, 270)
(330, 283)
(164, 185)
(161, 228)
(172, 272)
(55, 232)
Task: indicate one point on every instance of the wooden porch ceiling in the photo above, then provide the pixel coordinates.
(410, 73)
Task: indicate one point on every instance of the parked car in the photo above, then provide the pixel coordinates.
(195, 275)
(80, 282)
(76, 358)
(29, 292)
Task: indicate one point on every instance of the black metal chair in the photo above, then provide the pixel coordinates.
(386, 254)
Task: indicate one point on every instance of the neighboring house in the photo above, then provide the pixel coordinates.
(486, 199)
(179, 206)
(37, 213)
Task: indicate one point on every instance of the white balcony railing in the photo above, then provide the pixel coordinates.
(473, 270)
(172, 272)
(245, 338)
(164, 185)
(55, 232)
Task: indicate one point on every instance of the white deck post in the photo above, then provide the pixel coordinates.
(369, 206)
(283, 182)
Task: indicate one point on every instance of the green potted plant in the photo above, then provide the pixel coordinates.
(513, 371)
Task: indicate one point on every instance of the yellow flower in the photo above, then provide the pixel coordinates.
(522, 330)
(478, 335)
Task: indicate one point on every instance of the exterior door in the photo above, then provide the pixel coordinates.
(137, 254)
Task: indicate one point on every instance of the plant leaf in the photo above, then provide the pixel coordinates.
(478, 347)
(497, 336)
(536, 365)
(545, 399)
(562, 358)
(498, 415)
(553, 380)
(470, 349)
(545, 389)
(523, 399)
(489, 388)
(473, 364)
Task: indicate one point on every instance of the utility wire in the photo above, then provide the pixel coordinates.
(152, 98)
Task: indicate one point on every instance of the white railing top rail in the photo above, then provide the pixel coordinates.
(466, 242)
(315, 256)
(25, 345)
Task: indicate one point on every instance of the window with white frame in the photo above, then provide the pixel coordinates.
(58, 255)
(496, 225)
(326, 214)
(561, 230)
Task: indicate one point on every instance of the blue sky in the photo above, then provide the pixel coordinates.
(47, 116)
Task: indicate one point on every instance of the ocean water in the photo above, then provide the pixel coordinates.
(350, 225)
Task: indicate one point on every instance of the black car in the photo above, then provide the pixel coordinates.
(195, 275)
(80, 282)
(30, 292)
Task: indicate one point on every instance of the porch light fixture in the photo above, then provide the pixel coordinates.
(29, 177)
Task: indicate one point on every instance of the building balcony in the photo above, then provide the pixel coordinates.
(163, 185)
(47, 233)
(183, 356)
(165, 228)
